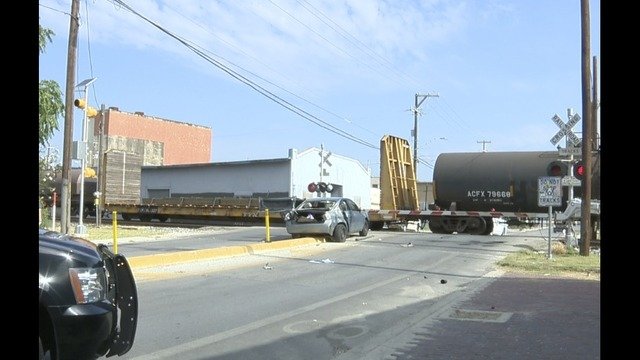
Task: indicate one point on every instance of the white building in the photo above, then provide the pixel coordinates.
(268, 178)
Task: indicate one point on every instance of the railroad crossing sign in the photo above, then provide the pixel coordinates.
(565, 130)
(324, 159)
(549, 191)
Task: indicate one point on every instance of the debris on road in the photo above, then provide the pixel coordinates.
(324, 261)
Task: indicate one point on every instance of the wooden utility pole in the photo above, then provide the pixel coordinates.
(594, 107)
(587, 132)
(595, 140)
(68, 118)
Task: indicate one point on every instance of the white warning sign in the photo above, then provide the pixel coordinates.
(550, 191)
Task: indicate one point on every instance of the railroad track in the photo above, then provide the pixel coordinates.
(173, 223)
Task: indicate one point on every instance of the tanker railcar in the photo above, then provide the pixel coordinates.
(500, 182)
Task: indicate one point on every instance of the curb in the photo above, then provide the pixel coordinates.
(221, 252)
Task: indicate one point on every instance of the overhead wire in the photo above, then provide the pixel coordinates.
(341, 117)
(95, 95)
(358, 43)
(445, 116)
(60, 11)
(261, 90)
(330, 42)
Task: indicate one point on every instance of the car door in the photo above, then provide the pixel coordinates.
(356, 217)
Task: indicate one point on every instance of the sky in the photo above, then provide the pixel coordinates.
(271, 75)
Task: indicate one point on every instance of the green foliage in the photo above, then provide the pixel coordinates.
(51, 105)
(50, 108)
(46, 182)
(45, 36)
(105, 232)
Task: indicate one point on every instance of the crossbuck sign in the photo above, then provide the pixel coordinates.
(565, 130)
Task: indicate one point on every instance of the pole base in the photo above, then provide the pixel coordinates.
(81, 230)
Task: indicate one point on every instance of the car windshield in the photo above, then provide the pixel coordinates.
(317, 204)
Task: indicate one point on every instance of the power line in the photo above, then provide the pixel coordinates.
(268, 94)
(60, 11)
(338, 116)
(358, 44)
(330, 43)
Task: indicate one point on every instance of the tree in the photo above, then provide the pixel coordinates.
(51, 105)
(45, 35)
(50, 109)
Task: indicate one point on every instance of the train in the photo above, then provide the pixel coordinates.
(90, 187)
(503, 183)
(472, 190)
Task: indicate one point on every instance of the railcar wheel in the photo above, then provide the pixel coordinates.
(476, 226)
(437, 227)
(339, 233)
(489, 228)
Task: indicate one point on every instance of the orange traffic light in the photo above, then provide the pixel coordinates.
(81, 104)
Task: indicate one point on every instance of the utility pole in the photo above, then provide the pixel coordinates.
(419, 100)
(484, 142)
(99, 181)
(594, 107)
(68, 118)
(587, 132)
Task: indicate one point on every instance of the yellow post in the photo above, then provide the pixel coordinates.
(114, 216)
(266, 221)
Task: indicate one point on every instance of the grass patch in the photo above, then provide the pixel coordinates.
(569, 262)
(105, 232)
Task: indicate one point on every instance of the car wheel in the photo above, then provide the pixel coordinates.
(339, 233)
(365, 229)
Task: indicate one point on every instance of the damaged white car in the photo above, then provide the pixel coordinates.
(336, 217)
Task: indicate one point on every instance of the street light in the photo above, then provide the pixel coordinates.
(81, 229)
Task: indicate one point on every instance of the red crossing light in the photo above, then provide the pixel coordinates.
(578, 170)
(556, 168)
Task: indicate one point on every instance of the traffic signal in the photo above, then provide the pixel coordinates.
(322, 186)
(578, 170)
(89, 172)
(91, 111)
(312, 187)
(557, 168)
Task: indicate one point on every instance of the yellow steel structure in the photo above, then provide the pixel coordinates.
(398, 186)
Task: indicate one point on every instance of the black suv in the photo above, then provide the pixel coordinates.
(88, 299)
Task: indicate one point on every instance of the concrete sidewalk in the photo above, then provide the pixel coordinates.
(516, 317)
(217, 252)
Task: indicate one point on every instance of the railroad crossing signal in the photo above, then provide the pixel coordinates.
(565, 130)
(324, 159)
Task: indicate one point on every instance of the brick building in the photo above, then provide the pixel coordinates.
(158, 141)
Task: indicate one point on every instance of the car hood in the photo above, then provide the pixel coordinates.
(77, 248)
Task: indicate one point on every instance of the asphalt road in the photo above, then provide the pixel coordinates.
(319, 301)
